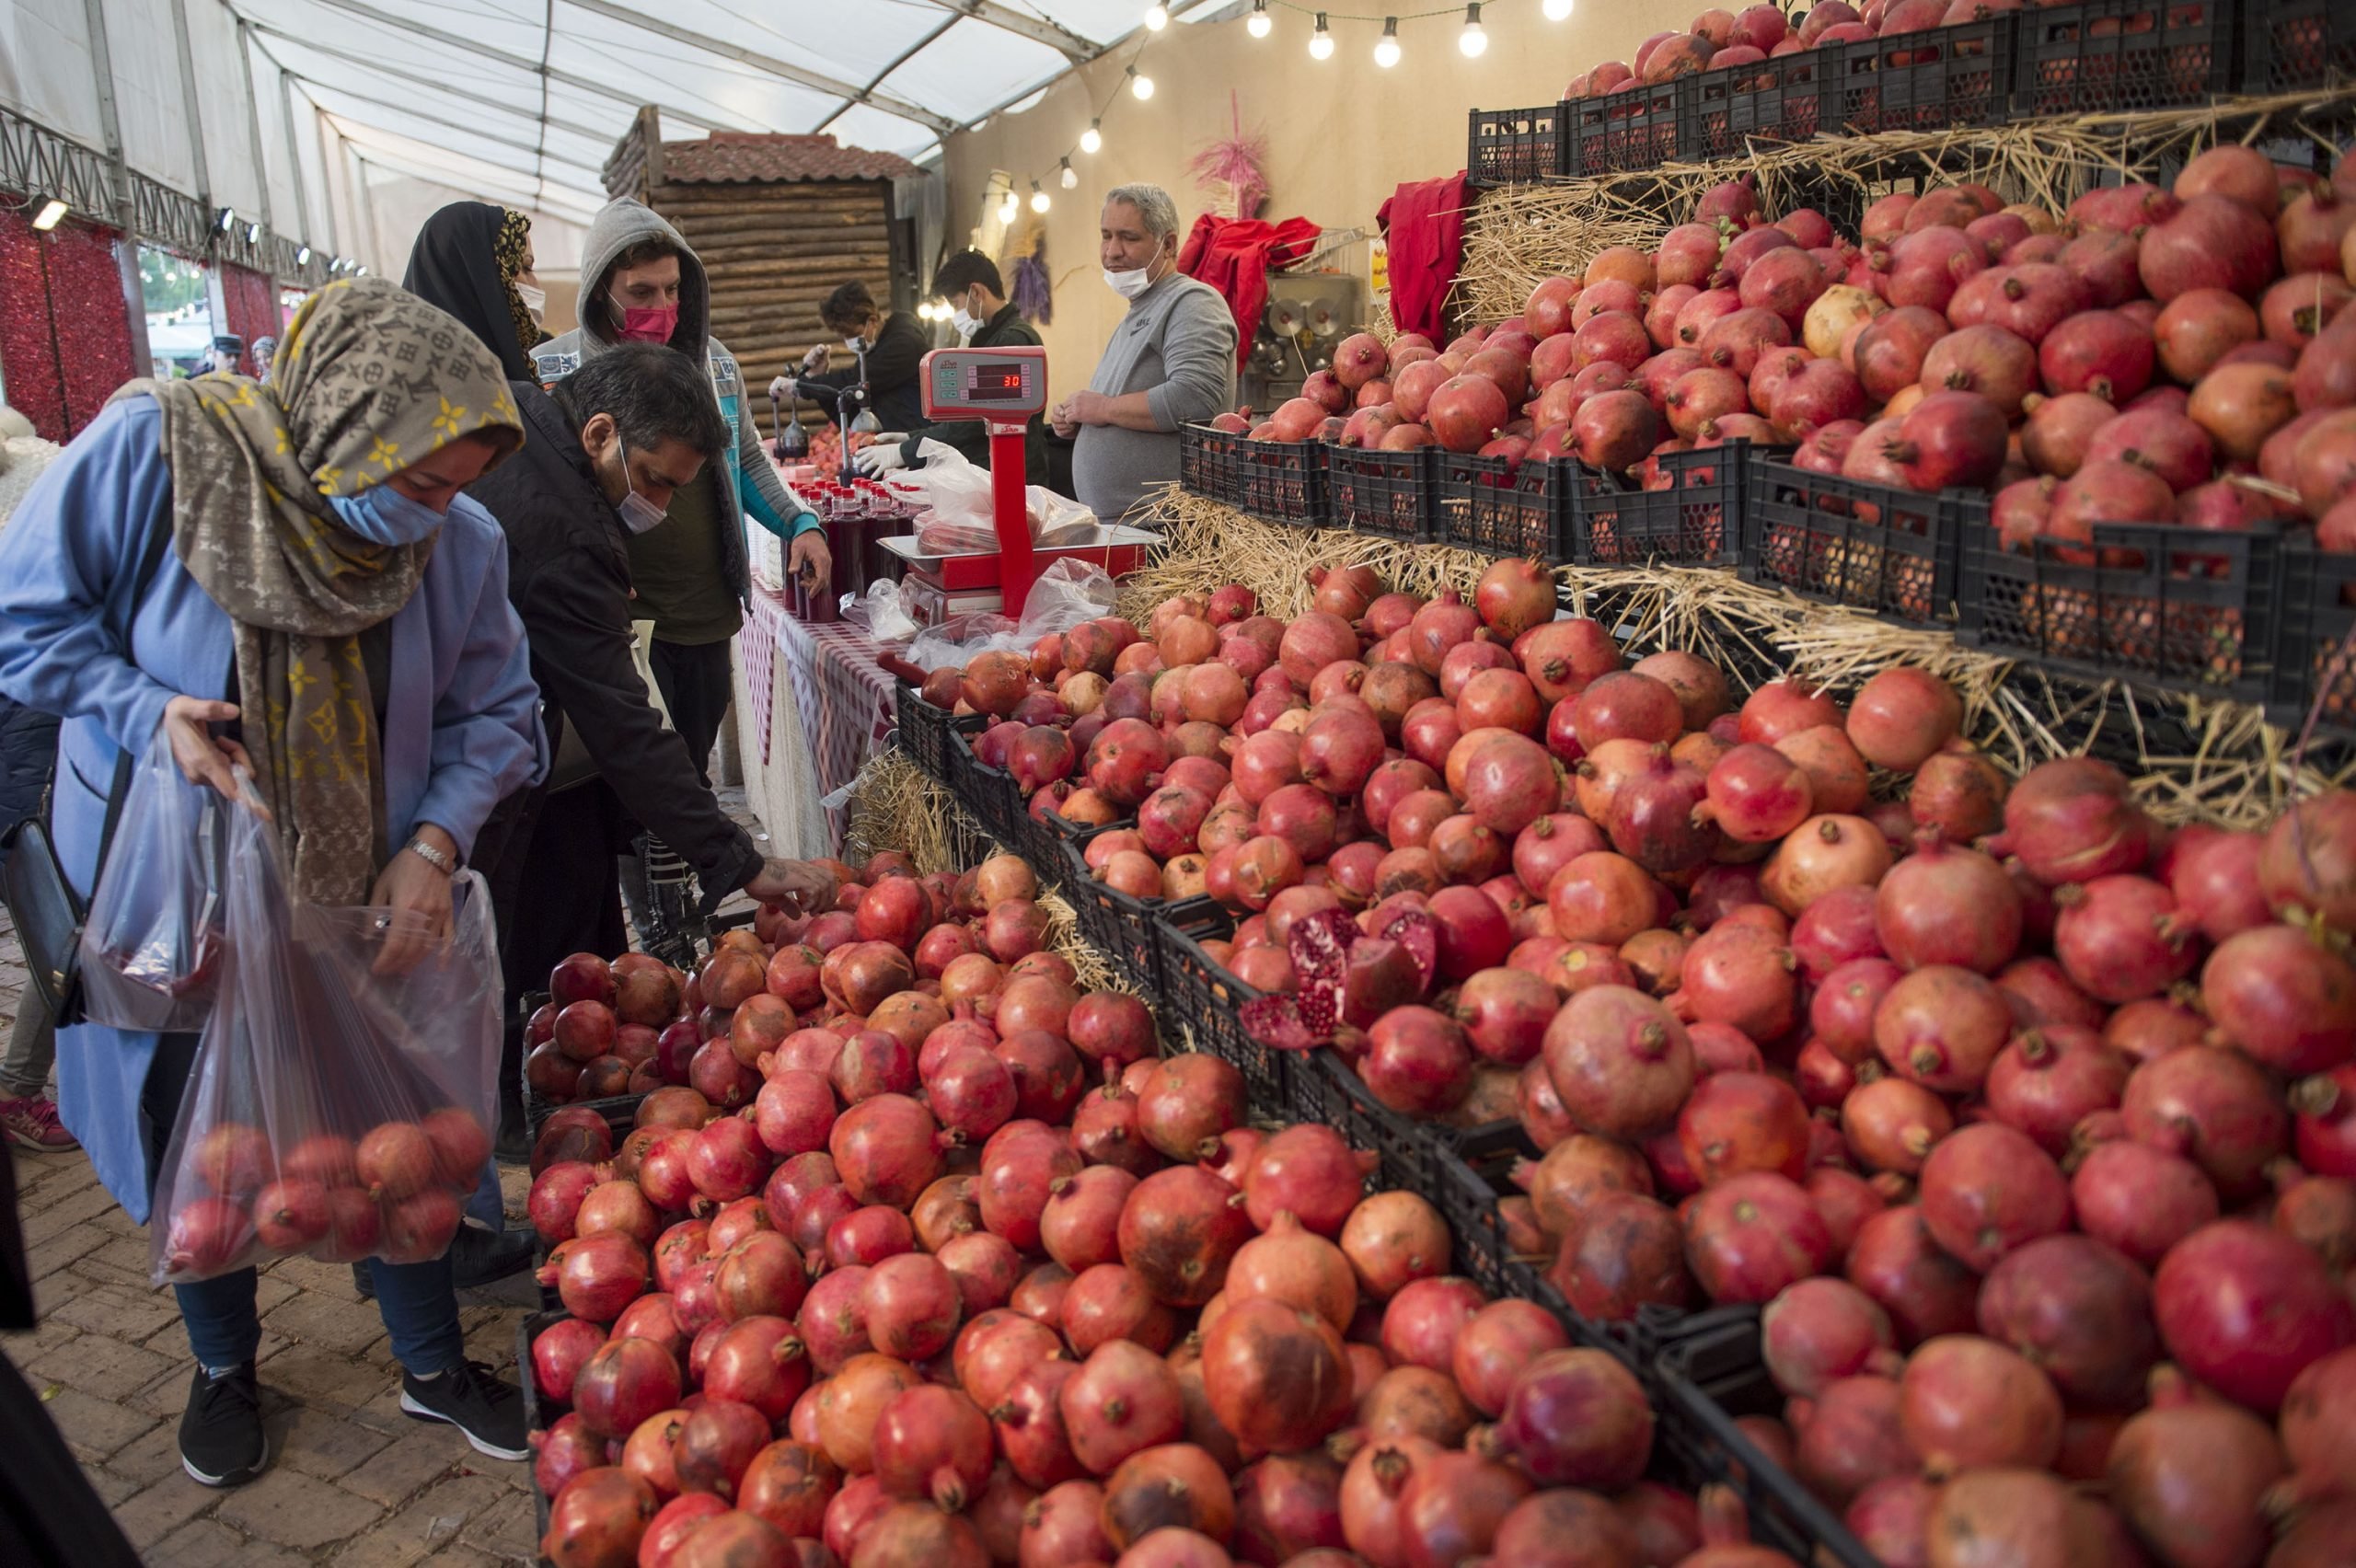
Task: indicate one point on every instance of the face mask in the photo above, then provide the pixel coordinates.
(962, 321)
(535, 300)
(383, 516)
(1129, 285)
(650, 324)
(855, 344)
(638, 513)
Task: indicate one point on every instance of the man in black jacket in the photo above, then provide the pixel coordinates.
(602, 454)
(895, 346)
(969, 281)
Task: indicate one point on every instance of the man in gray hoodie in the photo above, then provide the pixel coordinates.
(643, 283)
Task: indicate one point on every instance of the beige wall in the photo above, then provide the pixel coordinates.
(1342, 135)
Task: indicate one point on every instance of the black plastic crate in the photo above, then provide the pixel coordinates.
(1393, 495)
(1634, 129)
(1504, 508)
(1894, 552)
(1706, 1371)
(2292, 45)
(1516, 147)
(1696, 521)
(1209, 463)
(2114, 56)
(2315, 644)
(1201, 995)
(1778, 100)
(1921, 81)
(1475, 1170)
(927, 733)
(540, 1414)
(1281, 481)
(1121, 927)
(2187, 609)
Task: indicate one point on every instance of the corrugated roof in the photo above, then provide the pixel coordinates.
(727, 156)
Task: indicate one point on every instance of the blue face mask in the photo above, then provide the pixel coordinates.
(383, 516)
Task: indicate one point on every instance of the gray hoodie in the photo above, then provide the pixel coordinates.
(750, 484)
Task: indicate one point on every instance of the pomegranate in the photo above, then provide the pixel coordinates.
(1619, 1060)
(2195, 1471)
(1968, 1401)
(1987, 1189)
(1751, 1236)
(1925, 1291)
(2244, 1309)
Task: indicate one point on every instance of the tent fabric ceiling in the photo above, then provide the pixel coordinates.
(526, 98)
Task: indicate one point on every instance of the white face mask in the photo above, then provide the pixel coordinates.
(535, 300)
(638, 513)
(855, 344)
(1129, 285)
(962, 319)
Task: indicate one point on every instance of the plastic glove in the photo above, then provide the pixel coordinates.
(881, 457)
(815, 358)
(784, 389)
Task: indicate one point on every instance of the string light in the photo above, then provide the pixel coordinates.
(1039, 200)
(1321, 42)
(1473, 42)
(1156, 17)
(1141, 87)
(1092, 140)
(1556, 10)
(1009, 209)
(1261, 22)
(1386, 48)
(1071, 176)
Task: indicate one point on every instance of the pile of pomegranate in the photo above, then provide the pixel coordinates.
(1720, 39)
(2176, 355)
(394, 1192)
(2000, 1091)
(931, 1298)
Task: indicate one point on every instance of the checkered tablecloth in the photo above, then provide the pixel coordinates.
(811, 706)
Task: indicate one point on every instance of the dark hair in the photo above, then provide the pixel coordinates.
(652, 394)
(966, 269)
(641, 253)
(847, 306)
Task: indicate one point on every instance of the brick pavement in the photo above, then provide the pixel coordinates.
(352, 1483)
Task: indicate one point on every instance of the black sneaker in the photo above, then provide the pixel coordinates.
(221, 1436)
(489, 1411)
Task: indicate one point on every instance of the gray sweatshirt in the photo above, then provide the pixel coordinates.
(1177, 346)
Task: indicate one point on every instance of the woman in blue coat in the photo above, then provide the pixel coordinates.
(288, 577)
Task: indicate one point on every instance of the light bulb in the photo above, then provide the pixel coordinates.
(1070, 177)
(1009, 209)
(1261, 22)
(1156, 17)
(1039, 202)
(1140, 85)
(924, 310)
(1092, 140)
(1472, 42)
(1321, 42)
(1556, 10)
(1386, 48)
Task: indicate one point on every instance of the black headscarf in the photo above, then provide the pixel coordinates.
(457, 264)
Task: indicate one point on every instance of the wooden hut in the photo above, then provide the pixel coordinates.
(778, 222)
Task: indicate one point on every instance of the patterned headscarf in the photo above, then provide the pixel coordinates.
(507, 251)
(370, 380)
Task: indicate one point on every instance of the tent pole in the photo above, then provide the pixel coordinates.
(188, 97)
(253, 118)
(294, 158)
(125, 215)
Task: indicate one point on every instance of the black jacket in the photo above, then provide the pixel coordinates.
(891, 363)
(568, 576)
(972, 437)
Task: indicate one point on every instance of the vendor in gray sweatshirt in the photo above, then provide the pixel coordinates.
(1170, 363)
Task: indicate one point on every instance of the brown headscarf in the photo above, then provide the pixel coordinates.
(507, 254)
(369, 379)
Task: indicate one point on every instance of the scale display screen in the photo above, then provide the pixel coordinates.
(991, 383)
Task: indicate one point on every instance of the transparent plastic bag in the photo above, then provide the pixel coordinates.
(151, 944)
(880, 612)
(1069, 592)
(331, 1111)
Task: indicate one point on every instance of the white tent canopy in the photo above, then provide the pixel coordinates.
(517, 101)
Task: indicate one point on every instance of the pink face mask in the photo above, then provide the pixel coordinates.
(649, 325)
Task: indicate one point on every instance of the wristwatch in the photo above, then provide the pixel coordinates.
(433, 857)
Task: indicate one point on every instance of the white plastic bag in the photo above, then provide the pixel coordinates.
(331, 1111)
(886, 619)
(151, 945)
(1067, 594)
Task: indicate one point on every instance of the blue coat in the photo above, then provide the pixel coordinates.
(462, 724)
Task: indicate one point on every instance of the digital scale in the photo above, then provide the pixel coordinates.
(1001, 387)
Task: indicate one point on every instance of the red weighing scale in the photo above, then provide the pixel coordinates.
(1002, 387)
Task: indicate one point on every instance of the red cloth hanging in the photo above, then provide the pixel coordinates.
(1425, 223)
(1233, 255)
(65, 339)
